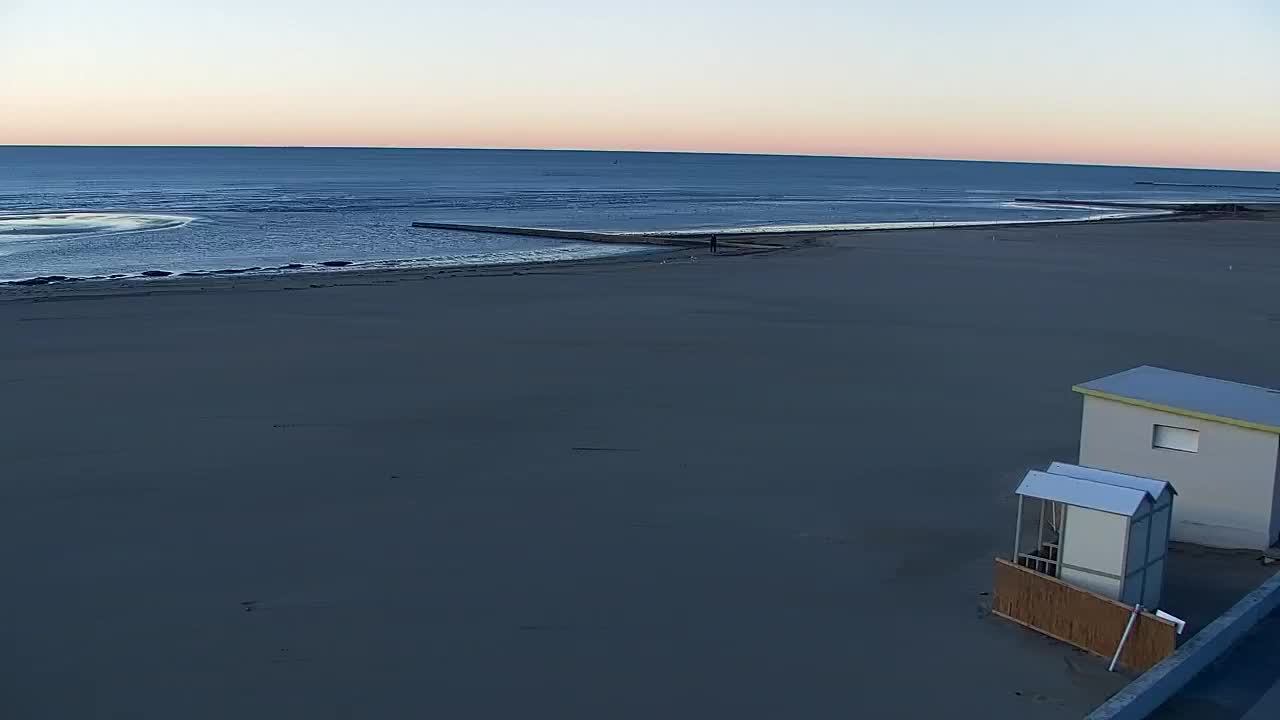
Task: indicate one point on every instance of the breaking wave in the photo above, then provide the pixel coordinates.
(46, 225)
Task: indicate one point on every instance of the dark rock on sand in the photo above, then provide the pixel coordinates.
(336, 263)
(156, 273)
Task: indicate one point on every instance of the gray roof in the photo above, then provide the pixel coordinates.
(1197, 396)
(1154, 488)
(1082, 493)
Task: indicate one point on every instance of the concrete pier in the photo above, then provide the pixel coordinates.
(735, 240)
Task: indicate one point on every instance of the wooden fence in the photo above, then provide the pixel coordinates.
(1077, 616)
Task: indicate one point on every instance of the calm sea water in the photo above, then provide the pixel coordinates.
(105, 211)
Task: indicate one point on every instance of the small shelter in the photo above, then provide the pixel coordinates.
(1103, 531)
(1217, 441)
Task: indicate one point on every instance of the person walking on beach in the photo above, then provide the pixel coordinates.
(715, 243)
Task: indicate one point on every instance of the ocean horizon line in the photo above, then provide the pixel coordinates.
(648, 151)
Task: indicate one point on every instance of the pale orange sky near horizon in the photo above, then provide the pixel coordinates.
(1001, 82)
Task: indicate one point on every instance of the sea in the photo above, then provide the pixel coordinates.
(101, 212)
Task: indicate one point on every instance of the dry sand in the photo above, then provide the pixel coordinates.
(753, 487)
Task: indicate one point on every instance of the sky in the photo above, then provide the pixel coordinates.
(1172, 83)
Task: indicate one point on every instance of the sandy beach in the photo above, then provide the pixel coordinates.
(673, 485)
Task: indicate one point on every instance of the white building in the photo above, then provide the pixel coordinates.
(1102, 531)
(1218, 442)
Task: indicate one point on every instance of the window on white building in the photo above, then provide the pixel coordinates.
(1175, 438)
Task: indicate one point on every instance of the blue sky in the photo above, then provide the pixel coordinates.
(1192, 84)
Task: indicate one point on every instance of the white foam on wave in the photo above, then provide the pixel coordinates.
(49, 225)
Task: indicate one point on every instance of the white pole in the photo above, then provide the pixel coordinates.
(1132, 617)
(1017, 532)
(1040, 538)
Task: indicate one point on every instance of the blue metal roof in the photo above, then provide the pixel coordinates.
(1207, 398)
(1154, 488)
(1083, 493)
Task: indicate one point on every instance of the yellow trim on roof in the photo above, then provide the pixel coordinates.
(1176, 410)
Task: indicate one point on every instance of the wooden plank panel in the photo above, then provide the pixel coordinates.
(1079, 617)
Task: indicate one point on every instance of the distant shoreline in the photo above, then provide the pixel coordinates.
(751, 239)
(768, 236)
(661, 250)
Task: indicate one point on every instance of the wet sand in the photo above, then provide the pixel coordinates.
(762, 485)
